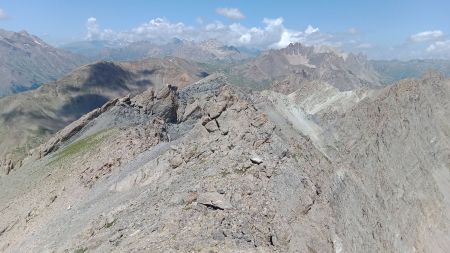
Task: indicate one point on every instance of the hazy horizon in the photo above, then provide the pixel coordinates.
(383, 30)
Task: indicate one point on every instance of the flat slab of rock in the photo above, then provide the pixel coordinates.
(256, 160)
(211, 126)
(214, 200)
(216, 109)
(190, 109)
(176, 161)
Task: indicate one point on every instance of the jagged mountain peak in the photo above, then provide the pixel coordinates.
(302, 49)
(298, 63)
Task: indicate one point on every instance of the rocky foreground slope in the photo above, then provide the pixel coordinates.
(215, 168)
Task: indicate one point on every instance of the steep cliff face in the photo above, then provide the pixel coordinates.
(389, 151)
(394, 146)
(215, 168)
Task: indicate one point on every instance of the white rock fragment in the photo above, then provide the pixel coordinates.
(256, 160)
(214, 200)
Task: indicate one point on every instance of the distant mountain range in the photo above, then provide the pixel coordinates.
(88, 48)
(395, 70)
(214, 52)
(26, 61)
(205, 51)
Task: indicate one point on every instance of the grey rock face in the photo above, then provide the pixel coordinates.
(191, 109)
(6, 166)
(166, 105)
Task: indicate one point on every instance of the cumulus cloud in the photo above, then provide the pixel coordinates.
(439, 47)
(311, 30)
(272, 33)
(427, 36)
(92, 28)
(160, 29)
(3, 14)
(231, 13)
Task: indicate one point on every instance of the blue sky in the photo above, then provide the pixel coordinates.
(382, 29)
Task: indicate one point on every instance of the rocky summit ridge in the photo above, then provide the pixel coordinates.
(30, 118)
(211, 167)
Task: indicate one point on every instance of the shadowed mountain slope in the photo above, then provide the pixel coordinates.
(26, 61)
(27, 118)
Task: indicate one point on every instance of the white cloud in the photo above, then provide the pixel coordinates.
(160, 29)
(92, 28)
(3, 14)
(272, 34)
(231, 13)
(439, 47)
(427, 36)
(311, 30)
